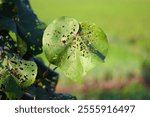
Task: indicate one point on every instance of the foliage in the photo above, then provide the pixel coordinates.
(74, 47)
(66, 42)
(21, 75)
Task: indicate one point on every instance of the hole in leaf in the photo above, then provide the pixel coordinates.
(14, 62)
(21, 68)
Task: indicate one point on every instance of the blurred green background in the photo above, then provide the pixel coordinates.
(126, 71)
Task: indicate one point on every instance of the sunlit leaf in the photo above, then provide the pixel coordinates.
(8, 83)
(74, 50)
(4, 77)
(24, 71)
(56, 39)
(89, 48)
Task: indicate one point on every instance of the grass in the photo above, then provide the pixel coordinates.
(120, 18)
(126, 23)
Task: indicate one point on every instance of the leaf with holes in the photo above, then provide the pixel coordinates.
(24, 71)
(4, 74)
(8, 83)
(88, 49)
(56, 39)
(4, 77)
(74, 50)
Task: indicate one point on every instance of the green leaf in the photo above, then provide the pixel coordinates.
(9, 86)
(89, 48)
(8, 83)
(21, 46)
(24, 71)
(12, 89)
(30, 27)
(56, 38)
(74, 50)
(7, 24)
(95, 39)
(4, 77)
(17, 16)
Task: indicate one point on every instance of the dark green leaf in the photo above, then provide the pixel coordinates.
(17, 16)
(12, 89)
(7, 24)
(30, 29)
(46, 77)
